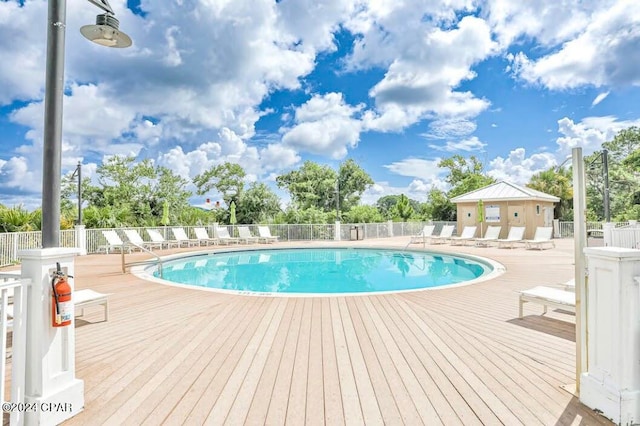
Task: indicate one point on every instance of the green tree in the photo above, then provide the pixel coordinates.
(465, 175)
(226, 178)
(363, 214)
(624, 179)
(352, 182)
(438, 206)
(403, 209)
(321, 187)
(558, 183)
(258, 204)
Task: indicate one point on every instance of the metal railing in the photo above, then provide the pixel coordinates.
(11, 243)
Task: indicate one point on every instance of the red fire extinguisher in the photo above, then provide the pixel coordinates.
(61, 305)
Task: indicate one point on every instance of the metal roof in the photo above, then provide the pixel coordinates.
(504, 191)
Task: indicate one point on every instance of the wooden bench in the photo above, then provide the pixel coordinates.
(87, 297)
(548, 296)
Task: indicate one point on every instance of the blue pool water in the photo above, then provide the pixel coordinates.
(335, 270)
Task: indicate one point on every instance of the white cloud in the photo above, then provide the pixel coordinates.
(468, 145)
(518, 168)
(604, 53)
(450, 128)
(590, 133)
(601, 97)
(425, 171)
(324, 125)
(15, 173)
(426, 62)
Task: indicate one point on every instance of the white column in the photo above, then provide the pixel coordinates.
(51, 384)
(336, 231)
(81, 239)
(607, 233)
(390, 228)
(611, 383)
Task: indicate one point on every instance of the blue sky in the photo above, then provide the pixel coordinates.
(397, 86)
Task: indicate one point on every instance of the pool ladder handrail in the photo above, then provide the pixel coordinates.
(157, 259)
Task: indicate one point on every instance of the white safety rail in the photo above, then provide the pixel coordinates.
(11, 242)
(13, 307)
(625, 237)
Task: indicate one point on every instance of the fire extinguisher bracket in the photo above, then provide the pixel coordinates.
(54, 272)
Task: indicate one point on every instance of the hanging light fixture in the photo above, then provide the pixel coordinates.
(105, 32)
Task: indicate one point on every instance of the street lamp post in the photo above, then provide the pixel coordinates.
(78, 172)
(105, 33)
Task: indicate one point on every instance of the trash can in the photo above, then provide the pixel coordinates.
(353, 233)
(356, 233)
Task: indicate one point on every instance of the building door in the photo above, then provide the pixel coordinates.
(548, 216)
(468, 216)
(516, 216)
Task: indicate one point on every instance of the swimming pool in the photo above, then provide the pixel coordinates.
(322, 271)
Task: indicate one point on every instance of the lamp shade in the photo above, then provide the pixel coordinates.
(105, 32)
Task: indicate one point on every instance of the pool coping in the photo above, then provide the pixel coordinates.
(142, 271)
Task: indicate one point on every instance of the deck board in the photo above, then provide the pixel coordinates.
(170, 355)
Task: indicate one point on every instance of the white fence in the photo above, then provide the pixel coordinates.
(11, 242)
(13, 314)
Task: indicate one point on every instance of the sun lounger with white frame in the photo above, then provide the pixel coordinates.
(468, 234)
(265, 233)
(547, 296)
(87, 297)
(445, 234)
(182, 238)
(203, 236)
(245, 235)
(136, 240)
(491, 235)
(224, 237)
(426, 232)
(516, 234)
(542, 236)
(114, 242)
(157, 237)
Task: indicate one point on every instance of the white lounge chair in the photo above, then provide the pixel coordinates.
(265, 233)
(114, 242)
(203, 236)
(492, 234)
(426, 232)
(182, 238)
(516, 234)
(445, 234)
(136, 240)
(157, 237)
(87, 297)
(468, 234)
(224, 237)
(245, 235)
(542, 236)
(570, 285)
(547, 296)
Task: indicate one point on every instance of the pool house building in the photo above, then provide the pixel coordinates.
(506, 204)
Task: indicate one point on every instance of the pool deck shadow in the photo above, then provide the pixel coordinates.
(448, 356)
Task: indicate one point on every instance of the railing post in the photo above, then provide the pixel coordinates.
(336, 231)
(607, 233)
(611, 380)
(50, 354)
(19, 344)
(390, 228)
(81, 239)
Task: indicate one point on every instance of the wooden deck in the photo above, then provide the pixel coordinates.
(450, 356)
